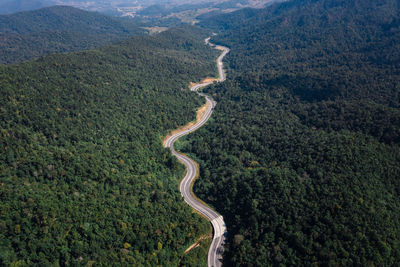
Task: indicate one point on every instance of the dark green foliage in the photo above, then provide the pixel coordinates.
(28, 35)
(296, 194)
(83, 175)
(302, 154)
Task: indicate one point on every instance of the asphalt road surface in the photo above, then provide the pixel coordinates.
(217, 221)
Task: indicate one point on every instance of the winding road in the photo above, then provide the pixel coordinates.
(217, 221)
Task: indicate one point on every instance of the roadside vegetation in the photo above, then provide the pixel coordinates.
(302, 154)
(197, 257)
(84, 179)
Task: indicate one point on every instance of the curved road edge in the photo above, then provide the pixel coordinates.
(217, 221)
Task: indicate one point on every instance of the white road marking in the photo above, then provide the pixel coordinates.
(217, 221)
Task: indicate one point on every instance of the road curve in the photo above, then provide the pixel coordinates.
(217, 221)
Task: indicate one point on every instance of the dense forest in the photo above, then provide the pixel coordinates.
(302, 154)
(84, 179)
(58, 29)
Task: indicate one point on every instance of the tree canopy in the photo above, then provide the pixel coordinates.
(59, 29)
(84, 178)
(302, 154)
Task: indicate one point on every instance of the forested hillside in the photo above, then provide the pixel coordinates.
(12, 6)
(31, 34)
(302, 156)
(84, 179)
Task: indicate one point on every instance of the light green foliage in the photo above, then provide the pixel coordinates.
(197, 257)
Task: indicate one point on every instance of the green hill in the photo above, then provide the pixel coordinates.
(302, 157)
(31, 34)
(84, 178)
(12, 6)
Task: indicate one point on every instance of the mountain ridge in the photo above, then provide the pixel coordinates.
(13, 6)
(30, 34)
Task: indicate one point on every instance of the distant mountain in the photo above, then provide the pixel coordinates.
(27, 35)
(191, 12)
(13, 6)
